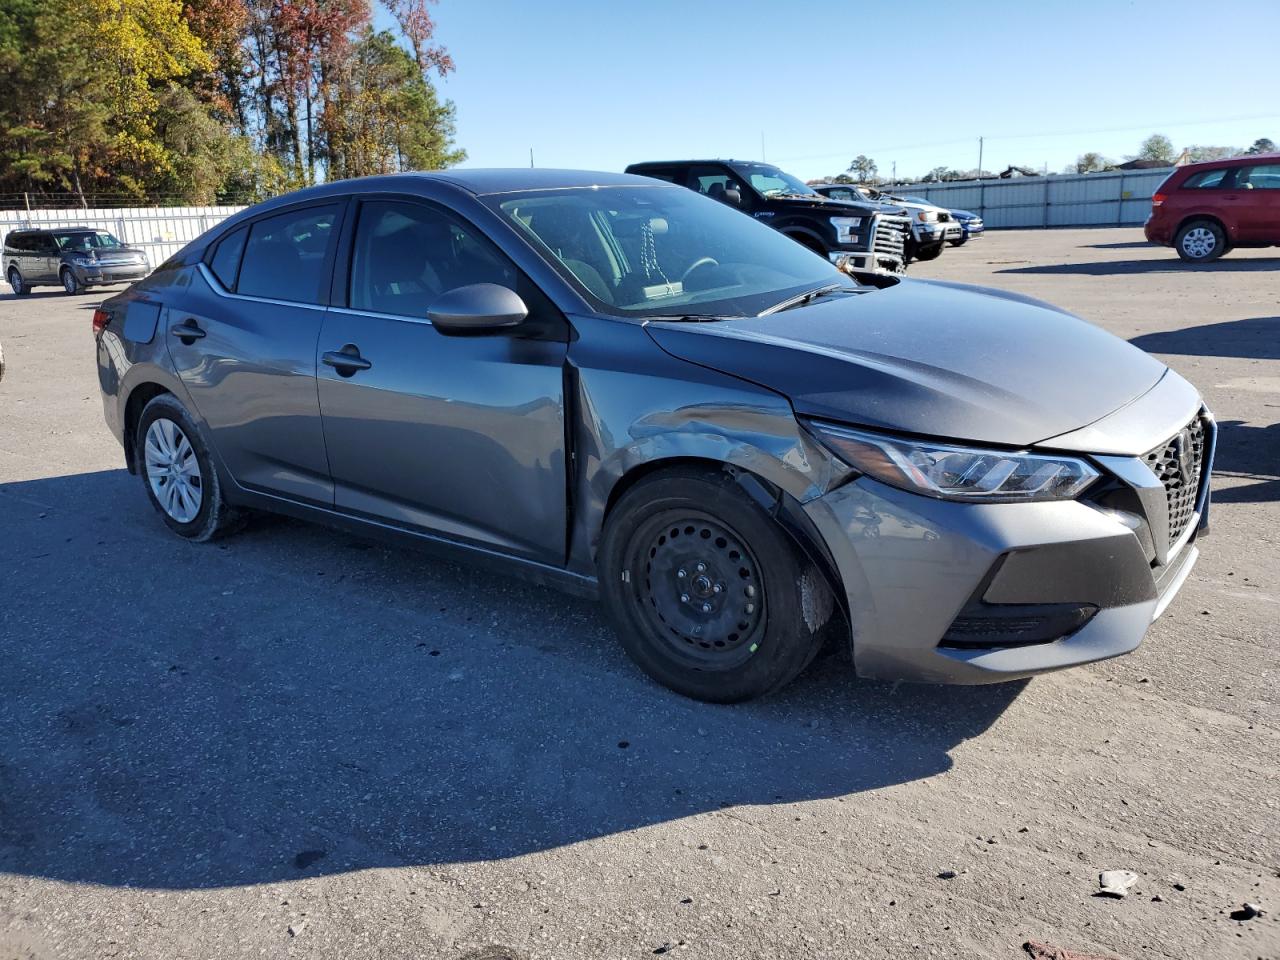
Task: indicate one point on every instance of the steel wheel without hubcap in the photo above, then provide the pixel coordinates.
(700, 589)
(173, 471)
(1199, 242)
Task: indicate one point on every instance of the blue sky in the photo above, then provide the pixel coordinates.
(597, 85)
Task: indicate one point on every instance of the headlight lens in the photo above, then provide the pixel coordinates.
(958, 473)
(928, 216)
(846, 228)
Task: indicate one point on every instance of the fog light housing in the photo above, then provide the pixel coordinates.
(986, 625)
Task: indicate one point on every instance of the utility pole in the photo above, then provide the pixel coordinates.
(762, 156)
(531, 158)
(980, 158)
(895, 172)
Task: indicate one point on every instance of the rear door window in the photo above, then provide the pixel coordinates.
(225, 262)
(287, 256)
(1206, 180)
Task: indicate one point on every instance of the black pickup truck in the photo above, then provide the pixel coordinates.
(868, 237)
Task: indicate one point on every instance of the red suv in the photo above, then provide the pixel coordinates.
(1205, 209)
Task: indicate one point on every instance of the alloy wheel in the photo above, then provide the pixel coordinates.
(1199, 242)
(173, 470)
(69, 282)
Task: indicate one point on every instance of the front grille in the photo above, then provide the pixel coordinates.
(889, 237)
(1179, 465)
(944, 217)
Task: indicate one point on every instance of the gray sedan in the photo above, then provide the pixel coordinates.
(624, 389)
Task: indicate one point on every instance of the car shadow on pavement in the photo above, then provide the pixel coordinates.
(1255, 338)
(1123, 245)
(1249, 453)
(295, 701)
(1170, 264)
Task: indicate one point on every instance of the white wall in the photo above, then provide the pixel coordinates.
(161, 231)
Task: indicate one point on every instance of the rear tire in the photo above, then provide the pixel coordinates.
(931, 252)
(70, 282)
(1200, 241)
(178, 473)
(709, 595)
(16, 281)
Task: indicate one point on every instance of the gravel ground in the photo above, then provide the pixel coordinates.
(296, 743)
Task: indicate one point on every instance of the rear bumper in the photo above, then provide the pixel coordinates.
(1157, 231)
(911, 565)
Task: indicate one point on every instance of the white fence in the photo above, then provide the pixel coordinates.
(1114, 199)
(160, 231)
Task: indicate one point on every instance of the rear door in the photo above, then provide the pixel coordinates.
(460, 436)
(45, 259)
(243, 338)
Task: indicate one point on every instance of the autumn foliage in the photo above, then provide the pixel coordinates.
(208, 100)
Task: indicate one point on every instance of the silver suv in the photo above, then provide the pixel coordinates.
(71, 257)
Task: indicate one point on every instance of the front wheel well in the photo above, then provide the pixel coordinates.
(807, 240)
(785, 510)
(141, 395)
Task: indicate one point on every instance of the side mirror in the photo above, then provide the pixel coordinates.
(732, 197)
(477, 309)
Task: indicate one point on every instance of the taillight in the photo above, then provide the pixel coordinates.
(1158, 198)
(100, 320)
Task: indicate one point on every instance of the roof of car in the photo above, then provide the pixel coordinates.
(1243, 159)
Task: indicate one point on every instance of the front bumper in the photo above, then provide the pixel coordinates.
(973, 230)
(910, 565)
(952, 231)
(96, 274)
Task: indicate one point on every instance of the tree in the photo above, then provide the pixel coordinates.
(1157, 147)
(1197, 154)
(1261, 145)
(863, 168)
(418, 27)
(1091, 163)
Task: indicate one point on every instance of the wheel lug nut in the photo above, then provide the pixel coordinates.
(706, 608)
(751, 591)
(701, 567)
(684, 598)
(681, 573)
(751, 608)
(718, 588)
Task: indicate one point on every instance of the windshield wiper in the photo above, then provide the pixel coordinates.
(803, 298)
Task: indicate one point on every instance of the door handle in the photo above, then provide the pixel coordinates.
(346, 361)
(187, 331)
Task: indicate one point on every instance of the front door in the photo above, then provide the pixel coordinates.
(460, 436)
(243, 339)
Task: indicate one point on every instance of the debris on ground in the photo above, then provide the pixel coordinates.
(1116, 883)
(1247, 911)
(1046, 951)
(296, 927)
(947, 875)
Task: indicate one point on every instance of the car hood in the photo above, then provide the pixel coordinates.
(930, 358)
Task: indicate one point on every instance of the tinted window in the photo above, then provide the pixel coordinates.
(407, 254)
(226, 257)
(1205, 180)
(285, 256)
(16, 242)
(1265, 178)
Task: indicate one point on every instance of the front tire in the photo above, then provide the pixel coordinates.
(709, 595)
(958, 243)
(931, 252)
(70, 282)
(1201, 241)
(178, 473)
(17, 283)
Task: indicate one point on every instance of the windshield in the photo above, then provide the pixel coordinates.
(84, 240)
(769, 181)
(664, 251)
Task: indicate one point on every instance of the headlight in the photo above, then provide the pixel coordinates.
(846, 228)
(928, 216)
(82, 258)
(958, 473)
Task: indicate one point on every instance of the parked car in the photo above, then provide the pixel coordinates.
(1204, 210)
(626, 389)
(971, 226)
(868, 236)
(73, 257)
(928, 222)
